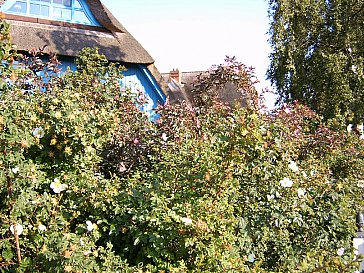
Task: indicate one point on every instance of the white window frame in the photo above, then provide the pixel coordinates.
(84, 8)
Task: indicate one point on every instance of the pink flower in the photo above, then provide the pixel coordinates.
(286, 109)
(340, 251)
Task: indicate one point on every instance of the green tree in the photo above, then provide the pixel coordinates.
(317, 54)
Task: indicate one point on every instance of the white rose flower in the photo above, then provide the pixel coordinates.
(187, 221)
(38, 132)
(251, 258)
(270, 197)
(286, 182)
(301, 192)
(164, 137)
(349, 128)
(90, 226)
(57, 186)
(19, 229)
(15, 170)
(293, 166)
(42, 227)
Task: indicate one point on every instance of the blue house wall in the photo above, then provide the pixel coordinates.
(138, 78)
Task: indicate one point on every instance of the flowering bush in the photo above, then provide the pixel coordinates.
(89, 184)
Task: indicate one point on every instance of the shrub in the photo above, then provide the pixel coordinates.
(89, 184)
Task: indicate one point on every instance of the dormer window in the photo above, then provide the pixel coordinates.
(72, 11)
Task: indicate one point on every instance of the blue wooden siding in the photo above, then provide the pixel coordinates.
(67, 62)
(137, 78)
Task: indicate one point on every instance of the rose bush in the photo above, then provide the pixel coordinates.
(89, 184)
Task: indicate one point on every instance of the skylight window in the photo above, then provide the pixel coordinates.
(73, 11)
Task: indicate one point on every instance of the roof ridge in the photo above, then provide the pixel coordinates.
(105, 17)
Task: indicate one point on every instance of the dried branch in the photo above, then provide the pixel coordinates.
(17, 244)
(7, 264)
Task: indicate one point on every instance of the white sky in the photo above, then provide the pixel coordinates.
(192, 35)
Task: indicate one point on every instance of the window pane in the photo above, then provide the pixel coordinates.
(34, 9)
(57, 13)
(44, 11)
(19, 7)
(66, 14)
(80, 17)
(67, 3)
(77, 5)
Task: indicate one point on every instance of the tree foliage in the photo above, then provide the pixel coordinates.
(318, 55)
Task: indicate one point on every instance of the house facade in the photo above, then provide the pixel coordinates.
(67, 26)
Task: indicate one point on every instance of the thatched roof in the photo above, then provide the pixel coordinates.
(112, 39)
(181, 85)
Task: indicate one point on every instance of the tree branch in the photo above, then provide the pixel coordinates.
(17, 244)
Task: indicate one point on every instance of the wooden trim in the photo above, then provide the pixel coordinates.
(20, 18)
(52, 22)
